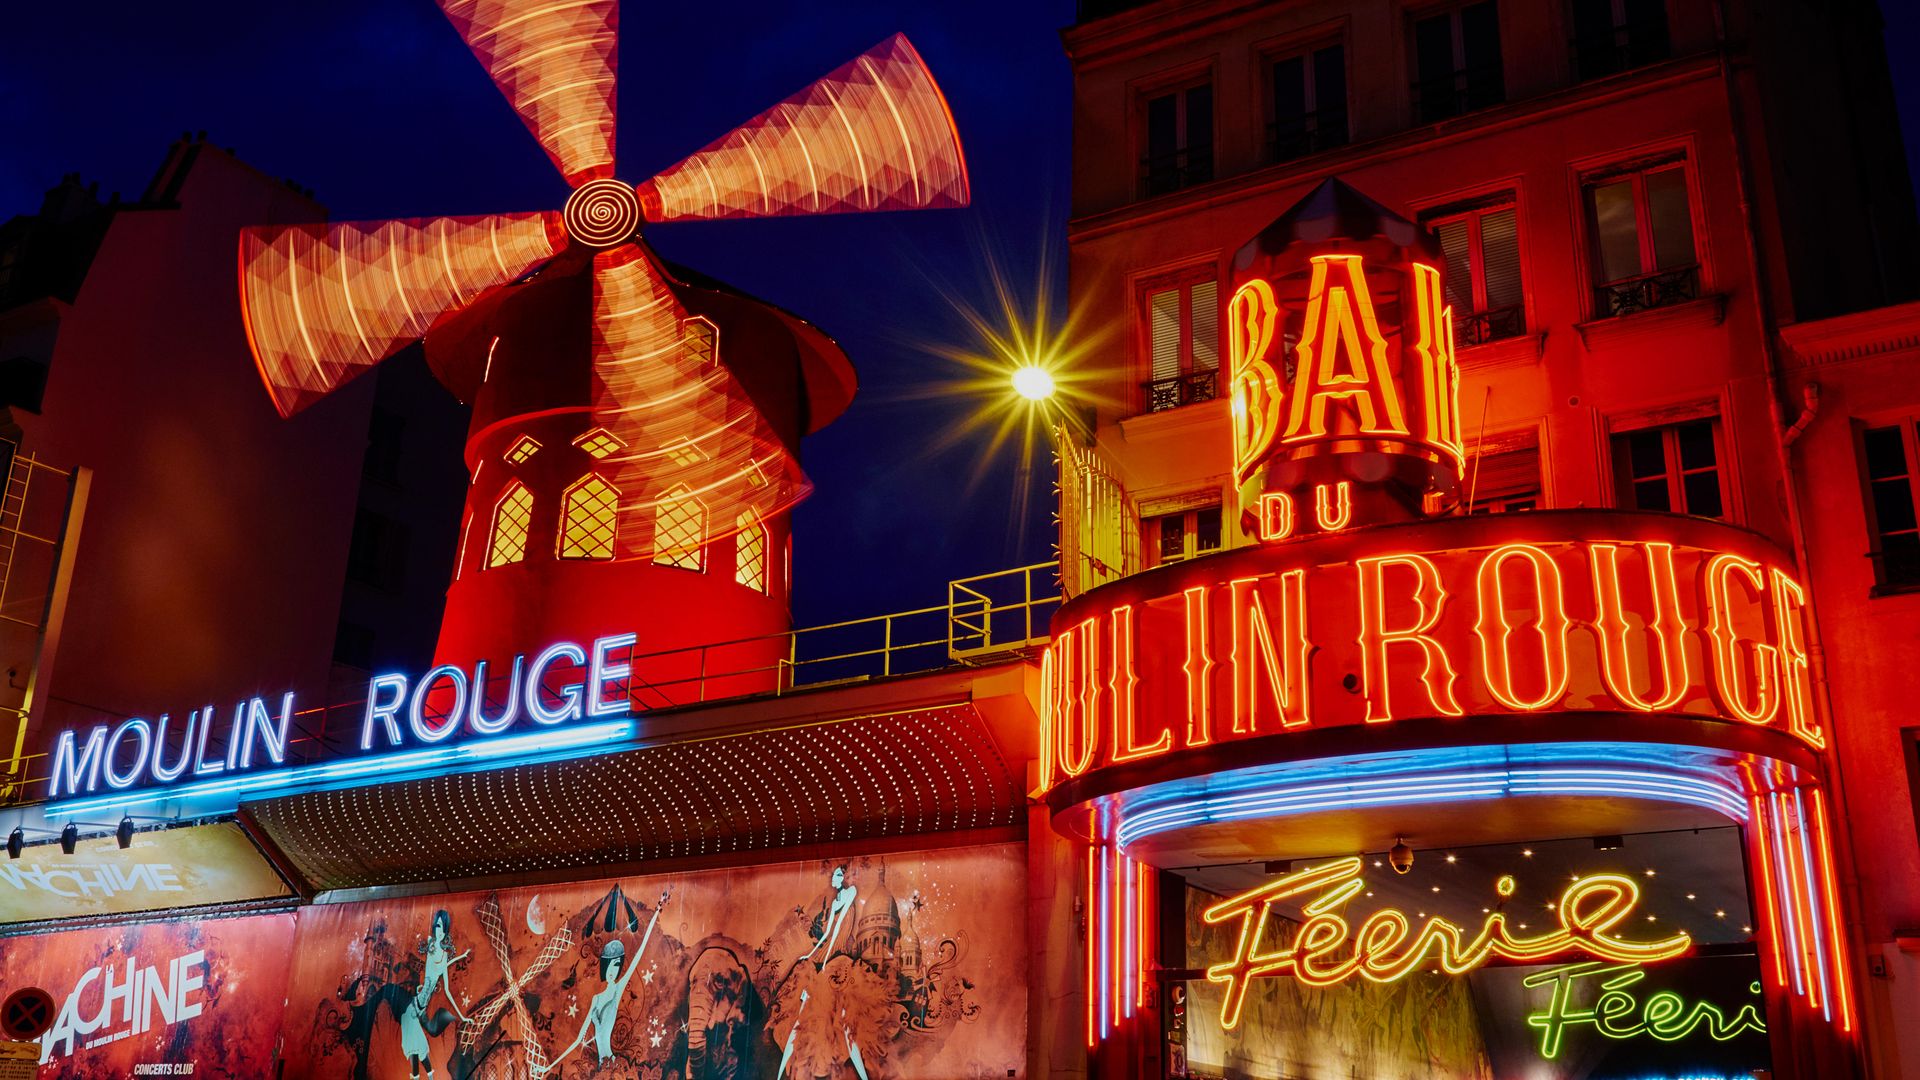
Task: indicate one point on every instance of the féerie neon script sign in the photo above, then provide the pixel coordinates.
(1618, 1015)
(565, 682)
(1327, 949)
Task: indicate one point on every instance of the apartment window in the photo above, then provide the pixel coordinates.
(1640, 226)
(512, 520)
(1179, 139)
(377, 553)
(589, 520)
(1184, 534)
(1309, 103)
(750, 553)
(1181, 332)
(1889, 454)
(1611, 36)
(680, 531)
(1456, 57)
(1504, 478)
(1675, 467)
(1481, 249)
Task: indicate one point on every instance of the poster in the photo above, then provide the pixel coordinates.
(200, 864)
(904, 965)
(194, 998)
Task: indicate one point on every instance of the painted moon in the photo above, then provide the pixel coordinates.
(536, 919)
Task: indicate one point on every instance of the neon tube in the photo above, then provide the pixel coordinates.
(539, 744)
(1813, 912)
(1841, 978)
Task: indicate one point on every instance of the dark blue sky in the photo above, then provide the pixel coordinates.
(378, 106)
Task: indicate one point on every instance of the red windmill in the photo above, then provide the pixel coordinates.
(633, 448)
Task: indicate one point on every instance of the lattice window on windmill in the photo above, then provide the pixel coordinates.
(512, 520)
(590, 519)
(701, 340)
(680, 531)
(750, 553)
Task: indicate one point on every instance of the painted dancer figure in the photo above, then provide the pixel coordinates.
(830, 922)
(416, 1025)
(604, 1009)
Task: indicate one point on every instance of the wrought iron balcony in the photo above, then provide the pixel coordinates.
(1457, 93)
(1492, 325)
(1162, 173)
(1174, 391)
(1308, 133)
(1662, 288)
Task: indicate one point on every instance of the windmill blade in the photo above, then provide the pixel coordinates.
(323, 303)
(698, 462)
(874, 134)
(555, 62)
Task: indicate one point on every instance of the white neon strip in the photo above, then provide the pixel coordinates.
(1105, 927)
(531, 743)
(1813, 909)
(1127, 969)
(1780, 862)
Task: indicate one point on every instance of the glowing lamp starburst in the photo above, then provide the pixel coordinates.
(1033, 383)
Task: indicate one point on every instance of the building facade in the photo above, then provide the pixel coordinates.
(1633, 246)
(1486, 559)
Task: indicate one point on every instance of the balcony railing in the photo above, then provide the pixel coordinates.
(1173, 391)
(1482, 327)
(1309, 133)
(1457, 93)
(1662, 288)
(1162, 173)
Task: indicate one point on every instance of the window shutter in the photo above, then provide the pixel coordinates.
(1163, 330)
(1500, 258)
(1459, 268)
(1206, 325)
(1508, 469)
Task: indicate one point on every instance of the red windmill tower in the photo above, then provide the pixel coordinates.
(633, 449)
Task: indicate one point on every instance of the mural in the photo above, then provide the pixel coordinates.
(1423, 1026)
(199, 998)
(889, 966)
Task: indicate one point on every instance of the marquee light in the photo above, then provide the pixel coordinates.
(1327, 950)
(1617, 1015)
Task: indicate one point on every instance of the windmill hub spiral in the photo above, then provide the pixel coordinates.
(602, 213)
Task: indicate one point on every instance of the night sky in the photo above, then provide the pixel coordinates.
(379, 108)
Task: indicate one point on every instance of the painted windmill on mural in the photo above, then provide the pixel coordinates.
(633, 450)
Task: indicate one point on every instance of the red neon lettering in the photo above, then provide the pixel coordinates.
(1729, 674)
(1276, 516)
(1428, 599)
(1439, 372)
(1333, 514)
(1342, 357)
(1125, 690)
(1199, 668)
(1496, 633)
(1252, 315)
(1257, 652)
(1667, 627)
(1078, 686)
(1790, 615)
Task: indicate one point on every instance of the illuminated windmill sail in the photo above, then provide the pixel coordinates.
(635, 432)
(325, 302)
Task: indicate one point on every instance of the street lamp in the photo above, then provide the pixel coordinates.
(1033, 382)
